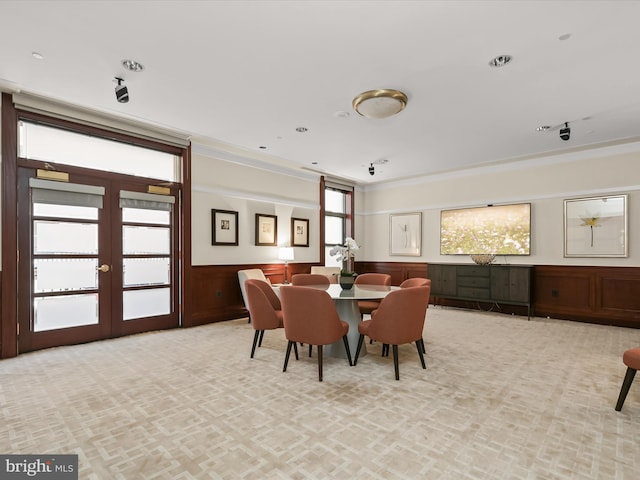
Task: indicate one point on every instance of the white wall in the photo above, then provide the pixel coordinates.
(544, 182)
(227, 185)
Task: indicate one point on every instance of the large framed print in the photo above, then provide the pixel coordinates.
(266, 230)
(405, 234)
(224, 227)
(299, 232)
(596, 227)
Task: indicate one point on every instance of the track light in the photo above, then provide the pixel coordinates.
(372, 169)
(565, 133)
(122, 93)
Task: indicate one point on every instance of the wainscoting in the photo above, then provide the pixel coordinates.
(604, 295)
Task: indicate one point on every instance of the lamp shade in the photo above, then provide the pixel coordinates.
(285, 253)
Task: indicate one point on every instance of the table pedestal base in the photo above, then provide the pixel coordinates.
(349, 312)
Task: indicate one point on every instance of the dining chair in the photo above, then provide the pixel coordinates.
(368, 306)
(310, 316)
(399, 320)
(305, 279)
(631, 358)
(265, 308)
(415, 282)
(331, 273)
(243, 276)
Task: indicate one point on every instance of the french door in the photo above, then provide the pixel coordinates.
(97, 258)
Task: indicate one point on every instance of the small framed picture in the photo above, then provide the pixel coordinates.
(405, 234)
(266, 230)
(596, 227)
(299, 232)
(224, 227)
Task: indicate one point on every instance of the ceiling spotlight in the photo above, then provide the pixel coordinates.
(500, 61)
(565, 133)
(543, 128)
(372, 169)
(132, 65)
(379, 103)
(122, 93)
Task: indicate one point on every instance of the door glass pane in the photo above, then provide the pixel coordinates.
(64, 211)
(63, 274)
(146, 271)
(333, 233)
(62, 237)
(145, 240)
(51, 313)
(146, 303)
(140, 215)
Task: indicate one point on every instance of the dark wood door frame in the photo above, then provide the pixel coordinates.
(9, 304)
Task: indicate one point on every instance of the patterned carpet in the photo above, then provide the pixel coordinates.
(502, 398)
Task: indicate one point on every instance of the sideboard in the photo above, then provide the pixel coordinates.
(507, 284)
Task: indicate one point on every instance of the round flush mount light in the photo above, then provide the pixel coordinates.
(132, 65)
(500, 61)
(381, 103)
(37, 55)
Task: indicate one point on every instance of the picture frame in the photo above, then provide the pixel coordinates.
(405, 234)
(224, 227)
(596, 226)
(299, 232)
(266, 230)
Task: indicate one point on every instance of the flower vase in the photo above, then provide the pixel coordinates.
(346, 281)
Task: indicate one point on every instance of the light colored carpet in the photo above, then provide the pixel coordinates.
(502, 398)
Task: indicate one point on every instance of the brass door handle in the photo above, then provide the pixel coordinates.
(104, 268)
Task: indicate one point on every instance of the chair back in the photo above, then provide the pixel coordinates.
(400, 316)
(415, 282)
(244, 275)
(331, 273)
(302, 279)
(310, 316)
(373, 279)
(264, 305)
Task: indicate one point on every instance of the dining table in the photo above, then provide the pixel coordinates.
(346, 302)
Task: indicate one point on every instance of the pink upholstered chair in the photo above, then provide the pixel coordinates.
(265, 309)
(304, 279)
(310, 316)
(399, 320)
(368, 306)
(415, 282)
(631, 359)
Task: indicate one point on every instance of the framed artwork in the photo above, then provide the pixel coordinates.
(596, 227)
(405, 234)
(224, 227)
(299, 232)
(266, 230)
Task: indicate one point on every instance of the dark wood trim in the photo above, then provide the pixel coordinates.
(321, 222)
(186, 273)
(399, 271)
(9, 324)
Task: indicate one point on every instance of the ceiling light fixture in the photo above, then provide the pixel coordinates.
(132, 65)
(500, 61)
(122, 92)
(37, 55)
(302, 129)
(380, 103)
(543, 128)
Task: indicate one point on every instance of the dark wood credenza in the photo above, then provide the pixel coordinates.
(507, 284)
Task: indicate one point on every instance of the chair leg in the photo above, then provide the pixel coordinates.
(628, 379)
(355, 359)
(255, 342)
(395, 361)
(385, 349)
(346, 347)
(286, 357)
(310, 350)
(319, 363)
(295, 349)
(261, 337)
(420, 348)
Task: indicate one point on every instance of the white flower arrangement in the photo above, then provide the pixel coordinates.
(346, 252)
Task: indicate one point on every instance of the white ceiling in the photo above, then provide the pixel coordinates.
(245, 74)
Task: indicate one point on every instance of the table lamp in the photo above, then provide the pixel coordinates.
(286, 254)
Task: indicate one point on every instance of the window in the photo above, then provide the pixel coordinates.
(338, 220)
